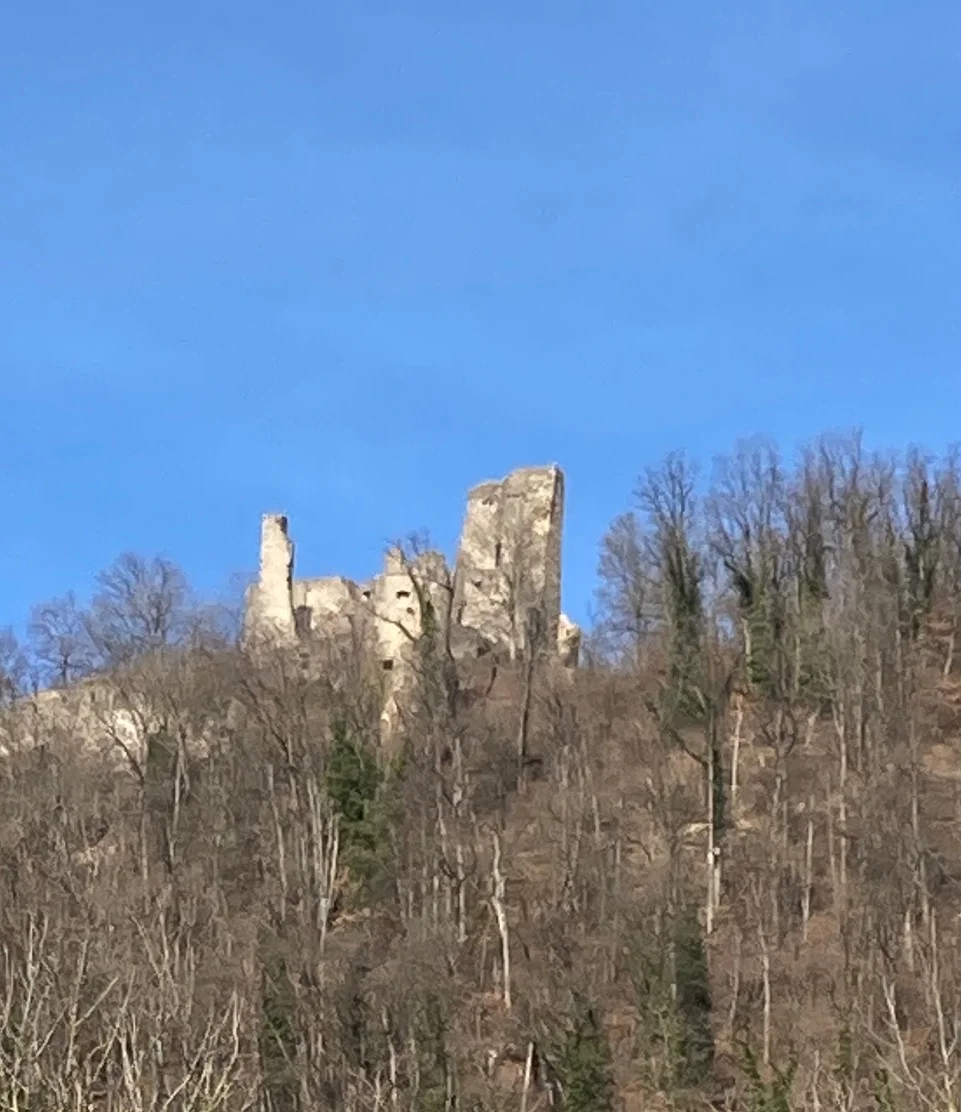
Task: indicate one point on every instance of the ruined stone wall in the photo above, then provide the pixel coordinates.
(509, 559)
(508, 567)
(328, 605)
(385, 612)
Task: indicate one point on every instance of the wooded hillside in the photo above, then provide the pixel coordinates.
(718, 864)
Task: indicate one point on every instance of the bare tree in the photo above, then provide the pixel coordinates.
(60, 641)
(625, 589)
(13, 667)
(668, 497)
(140, 605)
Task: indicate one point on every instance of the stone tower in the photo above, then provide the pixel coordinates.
(509, 559)
(270, 610)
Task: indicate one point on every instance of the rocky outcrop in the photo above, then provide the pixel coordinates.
(568, 642)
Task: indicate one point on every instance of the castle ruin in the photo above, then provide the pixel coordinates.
(505, 588)
(502, 598)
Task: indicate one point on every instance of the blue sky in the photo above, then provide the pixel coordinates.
(345, 260)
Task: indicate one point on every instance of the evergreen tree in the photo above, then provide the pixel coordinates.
(675, 1040)
(433, 1064)
(584, 1063)
(772, 1095)
(353, 780)
(693, 1001)
(278, 1028)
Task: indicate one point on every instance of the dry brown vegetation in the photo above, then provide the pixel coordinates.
(717, 865)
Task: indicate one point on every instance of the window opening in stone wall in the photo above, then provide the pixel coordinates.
(403, 594)
(387, 665)
(497, 555)
(302, 619)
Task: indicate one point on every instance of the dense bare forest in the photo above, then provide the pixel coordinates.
(717, 865)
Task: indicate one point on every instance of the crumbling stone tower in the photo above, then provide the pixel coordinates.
(509, 560)
(270, 610)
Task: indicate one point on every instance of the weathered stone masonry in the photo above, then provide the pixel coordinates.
(509, 560)
(507, 581)
(270, 601)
